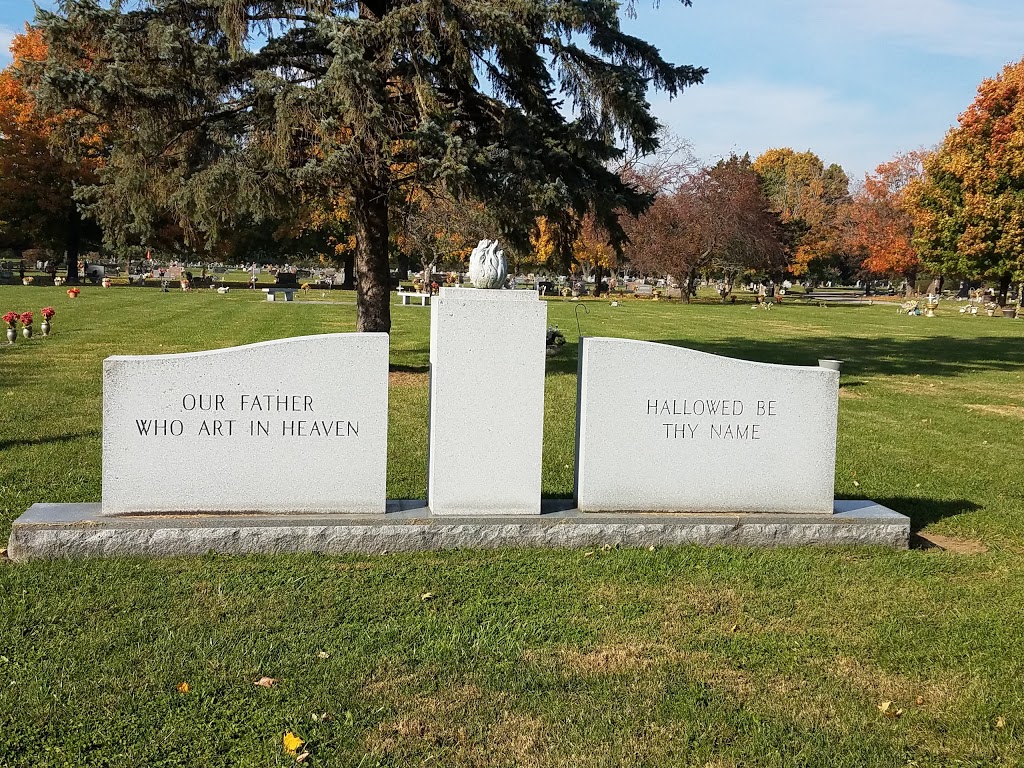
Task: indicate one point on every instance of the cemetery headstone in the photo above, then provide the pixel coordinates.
(293, 425)
(664, 428)
(487, 352)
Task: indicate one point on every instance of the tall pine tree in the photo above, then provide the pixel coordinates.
(222, 110)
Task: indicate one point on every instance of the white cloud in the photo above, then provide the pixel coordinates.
(6, 38)
(949, 27)
(753, 115)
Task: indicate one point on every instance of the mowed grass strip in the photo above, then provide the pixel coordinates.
(679, 656)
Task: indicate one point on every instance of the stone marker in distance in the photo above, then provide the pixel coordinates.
(288, 426)
(664, 428)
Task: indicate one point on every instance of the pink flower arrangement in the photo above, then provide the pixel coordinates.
(73, 292)
(47, 312)
(11, 318)
(26, 318)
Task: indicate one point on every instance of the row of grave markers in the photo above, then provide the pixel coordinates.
(301, 425)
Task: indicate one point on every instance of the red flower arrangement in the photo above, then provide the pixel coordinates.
(26, 318)
(11, 318)
(47, 312)
(73, 292)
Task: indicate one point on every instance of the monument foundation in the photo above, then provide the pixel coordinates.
(281, 447)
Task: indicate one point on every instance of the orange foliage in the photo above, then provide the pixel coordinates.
(35, 185)
(591, 245)
(879, 221)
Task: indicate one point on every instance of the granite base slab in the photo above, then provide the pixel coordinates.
(52, 531)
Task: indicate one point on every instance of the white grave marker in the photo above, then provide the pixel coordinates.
(295, 425)
(487, 352)
(663, 428)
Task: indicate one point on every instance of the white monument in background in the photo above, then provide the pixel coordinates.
(486, 394)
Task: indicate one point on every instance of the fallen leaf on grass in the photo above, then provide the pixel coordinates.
(735, 628)
(427, 596)
(266, 682)
(650, 548)
(184, 687)
(856, 484)
(889, 709)
(323, 655)
(292, 743)
(301, 758)
(606, 547)
(587, 554)
(1000, 722)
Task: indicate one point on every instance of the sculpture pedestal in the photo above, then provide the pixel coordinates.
(486, 402)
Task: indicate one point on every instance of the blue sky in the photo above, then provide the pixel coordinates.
(853, 80)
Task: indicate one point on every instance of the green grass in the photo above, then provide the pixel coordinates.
(683, 656)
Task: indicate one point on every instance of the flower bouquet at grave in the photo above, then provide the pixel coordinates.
(73, 292)
(554, 341)
(47, 313)
(26, 324)
(11, 318)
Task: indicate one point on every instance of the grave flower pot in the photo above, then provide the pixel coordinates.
(27, 331)
(12, 335)
(45, 327)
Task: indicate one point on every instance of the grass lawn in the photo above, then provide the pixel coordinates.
(683, 656)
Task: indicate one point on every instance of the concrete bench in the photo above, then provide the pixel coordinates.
(271, 293)
(424, 298)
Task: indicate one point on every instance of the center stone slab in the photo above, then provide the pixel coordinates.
(487, 353)
(289, 426)
(668, 429)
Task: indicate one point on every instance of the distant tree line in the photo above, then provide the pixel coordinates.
(395, 134)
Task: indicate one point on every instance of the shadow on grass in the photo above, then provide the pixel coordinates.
(923, 512)
(933, 356)
(395, 368)
(5, 444)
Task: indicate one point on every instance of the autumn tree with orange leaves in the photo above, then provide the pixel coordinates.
(807, 195)
(969, 207)
(37, 207)
(878, 222)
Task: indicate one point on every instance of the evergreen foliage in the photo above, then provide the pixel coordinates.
(219, 110)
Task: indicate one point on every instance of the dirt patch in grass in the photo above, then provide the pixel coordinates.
(850, 394)
(407, 379)
(950, 544)
(1012, 411)
(438, 723)
(685, 604)
(881, 685)
(393, 681)
(608, 659)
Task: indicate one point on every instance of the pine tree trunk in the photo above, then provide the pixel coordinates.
(373, 290)
(349, 265)
(1004, 287)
